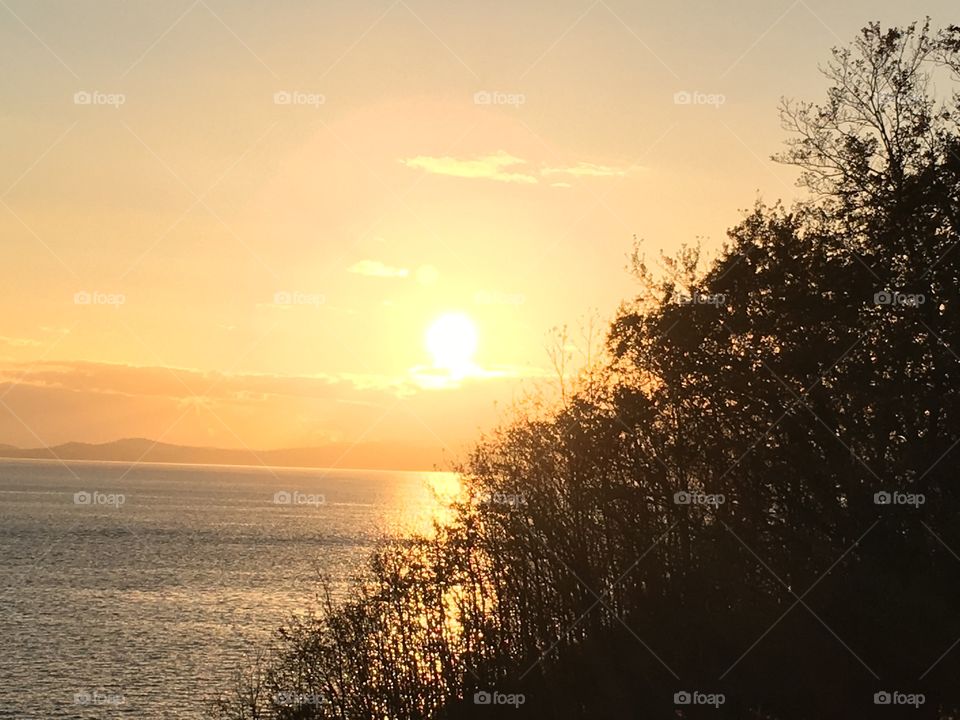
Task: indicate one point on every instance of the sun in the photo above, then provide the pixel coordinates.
(451, 341)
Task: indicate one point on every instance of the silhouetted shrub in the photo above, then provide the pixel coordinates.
(754, 494)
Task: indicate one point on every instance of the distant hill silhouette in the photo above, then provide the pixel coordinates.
(374, 456)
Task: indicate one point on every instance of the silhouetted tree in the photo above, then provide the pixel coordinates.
(700, 510)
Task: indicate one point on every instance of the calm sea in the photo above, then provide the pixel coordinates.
(135, 591)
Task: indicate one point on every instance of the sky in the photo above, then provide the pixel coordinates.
(234, 223)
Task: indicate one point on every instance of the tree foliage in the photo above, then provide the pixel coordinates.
(701, 511)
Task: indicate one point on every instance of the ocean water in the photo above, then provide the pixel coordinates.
(136, 591)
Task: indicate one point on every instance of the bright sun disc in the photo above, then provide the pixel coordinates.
(452, 341)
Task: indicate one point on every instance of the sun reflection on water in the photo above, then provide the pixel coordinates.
(432, 502)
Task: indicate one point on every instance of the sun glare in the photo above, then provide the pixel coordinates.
(451, 341)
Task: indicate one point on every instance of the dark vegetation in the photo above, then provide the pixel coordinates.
(797, 375)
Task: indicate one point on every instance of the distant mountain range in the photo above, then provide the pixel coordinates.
(373, 456)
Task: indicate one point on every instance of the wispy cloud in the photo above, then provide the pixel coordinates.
(187, 384)
(500, 166)
(504, 167)
(433, 378)
(51, 402)
(17, 342)
(180, 383)
(375, 268)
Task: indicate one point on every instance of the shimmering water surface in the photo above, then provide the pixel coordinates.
(143, 605)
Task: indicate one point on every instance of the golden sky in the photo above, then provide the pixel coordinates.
(233, 223)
